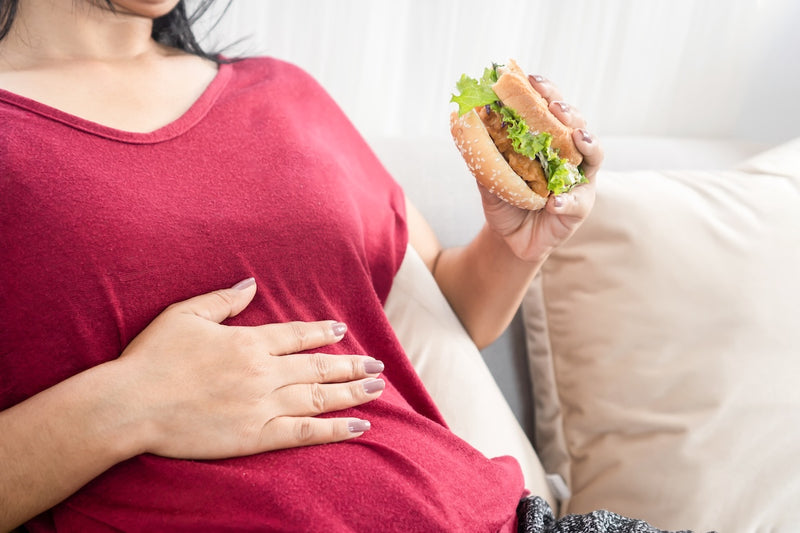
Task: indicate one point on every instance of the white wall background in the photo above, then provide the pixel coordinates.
(700, 68)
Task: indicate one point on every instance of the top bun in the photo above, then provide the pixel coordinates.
(515, 91)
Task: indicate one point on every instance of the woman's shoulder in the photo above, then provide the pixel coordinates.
(267, 67)
(270, 75)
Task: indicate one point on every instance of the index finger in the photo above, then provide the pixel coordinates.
(293, 337)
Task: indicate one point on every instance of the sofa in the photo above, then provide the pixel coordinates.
(651, 369)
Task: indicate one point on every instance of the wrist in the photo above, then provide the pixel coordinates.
(516, 250)
(121, 420)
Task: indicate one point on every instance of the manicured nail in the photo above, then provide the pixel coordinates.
(374, 385)
(242, 285)
(537, 78)
(338, 329)
(585, 136)
(558, 201)
(373, 366)
(563, 106)
(358, 426)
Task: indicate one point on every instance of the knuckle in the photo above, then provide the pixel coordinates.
(304, 431)
(318, 399)
(223, 297)
(338, 431)
(356, 392)
(323, 366)
(299, 336)
(356, 368)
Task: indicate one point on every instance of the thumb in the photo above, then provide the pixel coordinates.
(221, 304)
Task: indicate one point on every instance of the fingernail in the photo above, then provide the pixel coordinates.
(563, 105)
(374, 385)
(339, 329)
(558, 201)
(373, 366)
(358, 426)
(537, 78)
(587, 138)
(242, 285)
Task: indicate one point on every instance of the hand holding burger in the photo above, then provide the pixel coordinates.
(530, 153)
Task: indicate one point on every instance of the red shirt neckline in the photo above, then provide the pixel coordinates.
(183, 123)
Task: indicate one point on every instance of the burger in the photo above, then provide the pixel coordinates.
(511, 142)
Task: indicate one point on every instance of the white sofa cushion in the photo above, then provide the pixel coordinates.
(783, 160)
(664, 342)
(453, 371)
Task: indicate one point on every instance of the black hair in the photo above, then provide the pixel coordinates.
(8, 9)
(173, 29)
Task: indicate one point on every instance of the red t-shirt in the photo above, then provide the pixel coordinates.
(265, 177)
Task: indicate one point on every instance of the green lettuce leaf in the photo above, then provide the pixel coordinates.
(522, 139)
(561, 175)
(475, 93)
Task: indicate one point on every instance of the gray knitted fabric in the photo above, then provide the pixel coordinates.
(535, 516)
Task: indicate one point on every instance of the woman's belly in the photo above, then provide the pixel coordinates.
(407, 473)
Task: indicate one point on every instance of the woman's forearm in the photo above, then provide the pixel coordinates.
(58, 440)
(484, 283)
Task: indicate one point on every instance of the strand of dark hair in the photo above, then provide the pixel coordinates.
(173, 29)
(8, 10)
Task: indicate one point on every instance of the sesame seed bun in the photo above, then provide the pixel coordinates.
(488, 164)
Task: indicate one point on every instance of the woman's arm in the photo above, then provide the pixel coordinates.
(486, 280)
(483, 282)
(185, 387)
(58, 440)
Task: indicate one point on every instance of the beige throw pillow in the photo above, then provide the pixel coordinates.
(664, 342)
(453, 371)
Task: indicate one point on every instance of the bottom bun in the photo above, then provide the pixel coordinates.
(488, 165)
